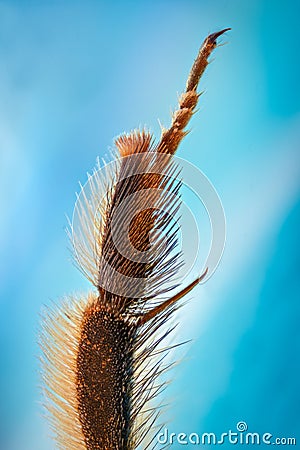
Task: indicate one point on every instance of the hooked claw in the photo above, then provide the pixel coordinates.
(211, 39)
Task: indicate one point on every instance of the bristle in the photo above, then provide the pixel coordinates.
(134, 142)
(60, 338)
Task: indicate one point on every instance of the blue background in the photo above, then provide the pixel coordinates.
(73, 75)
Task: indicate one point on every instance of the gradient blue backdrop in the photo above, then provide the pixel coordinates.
(73, 75)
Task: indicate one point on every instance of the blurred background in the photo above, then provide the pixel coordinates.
(75, 74)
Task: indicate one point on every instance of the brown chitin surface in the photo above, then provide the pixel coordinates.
(104, 367)
(171, 138)
(143, 221)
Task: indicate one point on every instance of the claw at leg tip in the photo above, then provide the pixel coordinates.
(212, 37)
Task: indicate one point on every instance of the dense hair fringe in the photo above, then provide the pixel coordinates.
(59, 340)
(146, 173)
(62, 326)
(150, 369)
